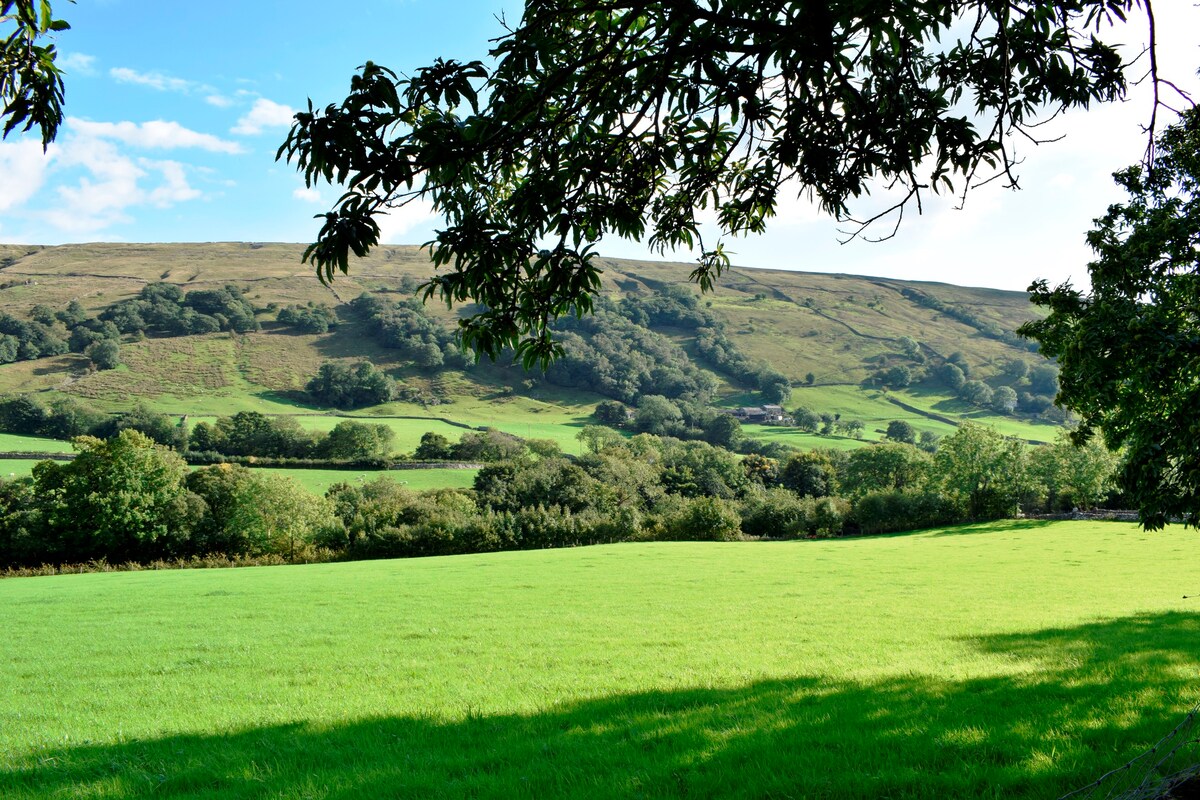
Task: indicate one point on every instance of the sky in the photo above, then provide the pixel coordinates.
(175, 110)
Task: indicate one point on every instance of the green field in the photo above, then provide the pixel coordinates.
(1014, 660)
(15, 443)
(16, 467)
(318, 481)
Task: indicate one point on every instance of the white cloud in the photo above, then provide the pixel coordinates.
(77, 64)
(22, 171)
(156, 134)
(218, 100)
(154, 80)
(399, 221)
(113, 185)
(308, 194)
(264, 114)
(174, 188)
(95, 184)
(100, 199)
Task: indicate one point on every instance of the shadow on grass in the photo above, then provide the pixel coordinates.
(1077, 702)
(995, 526)
(299, 400)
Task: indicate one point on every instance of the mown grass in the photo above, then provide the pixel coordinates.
(1012, 660)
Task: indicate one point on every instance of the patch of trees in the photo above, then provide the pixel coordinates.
(718, 349)
(342, 385)
(247, 434)
(1030, 390)
(675, 306)
(253, 435)
(679, 307)
(22, 340)
(131, 499)
(66, 418)
(473, 446)
(405, 326)
(164, 308)
(680, 419)
(611, 355)
(810, 421)
(311, 318)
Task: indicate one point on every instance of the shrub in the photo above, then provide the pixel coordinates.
(708, 519)
(104, 354)
(887, 511)
(775, 513)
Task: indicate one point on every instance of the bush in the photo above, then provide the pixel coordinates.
(104, 354)
(701, 519)
(887, 511)
(775, 513)
(345, 386)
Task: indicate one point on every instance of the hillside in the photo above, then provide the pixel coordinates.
(841, 329)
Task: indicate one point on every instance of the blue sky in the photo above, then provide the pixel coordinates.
(175, 110)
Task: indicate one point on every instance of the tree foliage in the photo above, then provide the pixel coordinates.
(982, 471)
(351, 386)
(636, 117)
(31, 84)
(1129, 350)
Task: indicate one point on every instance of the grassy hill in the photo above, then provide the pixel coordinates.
(839, 328)
(932, 665)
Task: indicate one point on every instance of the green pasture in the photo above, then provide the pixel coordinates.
(16, 467)
(869, 405)
(794, 437)
(318, 481)
(1014, 660)
(15, 443)
(1022, 428)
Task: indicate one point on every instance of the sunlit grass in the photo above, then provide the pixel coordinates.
(16, 467)
(1011, 660)
(15, 443)
(318, 481)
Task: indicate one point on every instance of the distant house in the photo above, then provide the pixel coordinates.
(759, 415)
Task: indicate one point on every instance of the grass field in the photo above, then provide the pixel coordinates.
(16, 467)
(318, 481)
(15, 443)
(1014, 660)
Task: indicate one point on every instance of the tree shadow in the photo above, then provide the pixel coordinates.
(995, 526)
(1076, 702)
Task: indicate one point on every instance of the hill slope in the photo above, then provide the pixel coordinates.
(842, 329)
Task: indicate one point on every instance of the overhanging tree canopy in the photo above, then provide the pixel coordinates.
(634, 117)
(31, 85)
(1129, 351)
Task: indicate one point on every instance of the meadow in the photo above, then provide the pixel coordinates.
(1014, 659)
(318, 481)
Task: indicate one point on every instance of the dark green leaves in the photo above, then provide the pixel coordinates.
(1129, 351)
(634, 117)
(31, 85)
